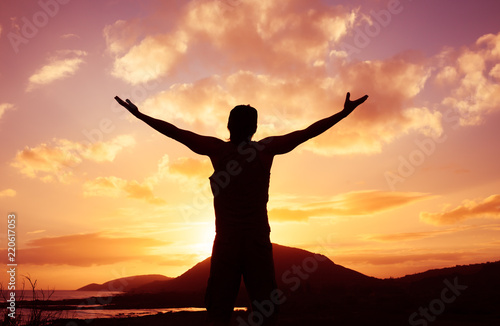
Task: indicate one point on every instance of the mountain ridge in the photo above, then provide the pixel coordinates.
(124, 284)
(294, 265)
(315, 288)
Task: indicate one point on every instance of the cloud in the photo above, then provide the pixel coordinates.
(115, 37)
(61, 65)
(473, 74)
(495, 71)
(191, 168)
(380, 257)
(374, 201)
(277, 57)
(150, 59)
(407, 236)
(358, 203)
(282, 104)
(90, 249)
(36, 231)
(487, 207)
(57, 160)
(8, 193)
(293, 215)
(69, 36)
(255, 34)
(4, 107)
(392, 84)
(116, 187)
(410, 236)
(191, 173)
(273, 36)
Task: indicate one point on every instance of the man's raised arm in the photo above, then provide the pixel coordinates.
(199, 144)
(284, 144)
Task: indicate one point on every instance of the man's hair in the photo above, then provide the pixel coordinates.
(242, 123)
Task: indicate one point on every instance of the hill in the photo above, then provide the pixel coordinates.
(316, 289)
(294, 268)
(124, 284)
(299, 273)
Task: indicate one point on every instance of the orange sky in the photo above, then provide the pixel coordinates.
(406, 183)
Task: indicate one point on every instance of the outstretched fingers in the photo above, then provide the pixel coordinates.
(361, 100)
(127, 104)
(355, 102)
(349, 105)
(120, 101)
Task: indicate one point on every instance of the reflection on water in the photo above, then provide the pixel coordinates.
(56, 295)
(110, 313)
(94, 312)
(122, 313)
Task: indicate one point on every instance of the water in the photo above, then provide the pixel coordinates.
(88, 309)
(122, 313)
(89, 313)
(57, 294)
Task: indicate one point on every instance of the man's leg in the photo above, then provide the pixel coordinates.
(224, 281)
(259, 277)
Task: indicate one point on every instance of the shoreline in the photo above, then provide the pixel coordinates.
(169, 318)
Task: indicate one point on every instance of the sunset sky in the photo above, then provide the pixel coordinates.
(408, 182)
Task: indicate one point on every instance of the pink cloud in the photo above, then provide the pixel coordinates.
(4, 107)
(255, 35)
(473, 76)
(61, 65)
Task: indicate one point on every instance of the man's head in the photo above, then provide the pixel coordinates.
(242, 123)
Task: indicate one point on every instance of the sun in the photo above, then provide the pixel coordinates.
(203, 240)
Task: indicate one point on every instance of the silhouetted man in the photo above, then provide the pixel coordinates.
(240, 184)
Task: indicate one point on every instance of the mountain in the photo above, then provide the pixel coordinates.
(316, 291)
(124, 284)
(463, 270)
(300, 274)
(293, 267)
